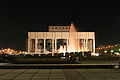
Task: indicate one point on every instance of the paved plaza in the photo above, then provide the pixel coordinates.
(59, 74)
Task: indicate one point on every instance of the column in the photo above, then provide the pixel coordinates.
(36, 41)
(52, 47)
(55, 45)
(67, 44)
(28, 45)
(84, 45)
(87, 44)
(44, 45)
(53, 50)
(94, 44)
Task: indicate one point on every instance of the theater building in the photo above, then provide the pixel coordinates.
(49, 42)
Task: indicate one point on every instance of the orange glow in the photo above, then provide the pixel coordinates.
(73, 43)
(62, 50)
(8, 51)
(111, 46)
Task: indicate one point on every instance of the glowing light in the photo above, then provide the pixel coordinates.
(8, 49)
(61, 49)
(105, 51)
(72, 47)
(117, 53)
(95, 54)
(73, 43)
(119, 49)
(112, 51)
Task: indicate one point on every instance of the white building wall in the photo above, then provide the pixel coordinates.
(58, 35)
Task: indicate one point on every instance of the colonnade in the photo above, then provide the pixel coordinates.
(83, 43)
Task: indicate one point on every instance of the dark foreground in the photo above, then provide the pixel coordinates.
(59, 74)
(57, 66)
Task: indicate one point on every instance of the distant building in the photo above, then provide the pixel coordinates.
(49, 42)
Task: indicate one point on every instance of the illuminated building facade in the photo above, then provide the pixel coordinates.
(49, 42)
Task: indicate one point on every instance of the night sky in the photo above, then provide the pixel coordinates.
(18, 18)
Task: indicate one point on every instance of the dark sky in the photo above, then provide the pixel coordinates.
(17, 18)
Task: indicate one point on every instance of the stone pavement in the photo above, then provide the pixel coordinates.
(59, 74)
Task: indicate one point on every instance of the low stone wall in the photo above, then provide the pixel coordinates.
(38, 60)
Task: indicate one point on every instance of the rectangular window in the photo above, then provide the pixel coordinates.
(48, 45)
(32, 41)
(40, 45)
(81, 43)
(90, 45)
